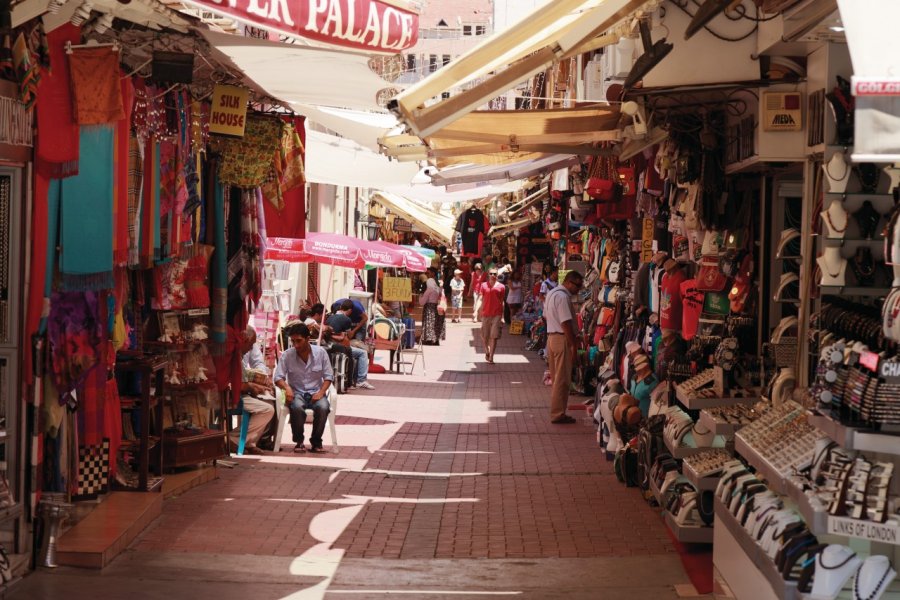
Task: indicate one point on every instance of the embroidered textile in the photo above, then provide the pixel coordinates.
(135, 182)
(288, 170)
(75, 332)
(95, 84)
(247, 161)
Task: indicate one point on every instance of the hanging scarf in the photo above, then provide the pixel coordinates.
(219, 288)
(28, 72)
(248, 160)
(288, 170)
(150, 233)
(250, 278)
(86, 259)
(121, 179)
(134, 184)
(96, 89)
(56, 149)
(75, 333)
(229, 367)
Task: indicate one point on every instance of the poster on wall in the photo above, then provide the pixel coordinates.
(396, 289)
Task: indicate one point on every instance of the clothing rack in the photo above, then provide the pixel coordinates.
(70, 46)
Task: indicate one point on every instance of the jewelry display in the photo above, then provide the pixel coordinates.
(868, 175)
(836, 219)
(834, 567)
(843, 106)
(834, 267)
(837, 173)
(873, 577)
(867, 219)
(863, 266)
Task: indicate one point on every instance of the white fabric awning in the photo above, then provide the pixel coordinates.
(554, 31)
(439, 194)
(302, 74)
(499, 173)
(435, 224)
(342, 162)
(363, 127)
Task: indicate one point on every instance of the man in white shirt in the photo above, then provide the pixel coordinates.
(561, 343)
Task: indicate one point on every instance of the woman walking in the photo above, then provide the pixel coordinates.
(433, 324)
(514, 296)
(478, 277)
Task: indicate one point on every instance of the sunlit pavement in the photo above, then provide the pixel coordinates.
(450, 485)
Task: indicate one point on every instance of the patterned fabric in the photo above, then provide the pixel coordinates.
(93, 471)
(95, 83)
(135, 182)
(75, 332)
(434, 326)
(247, 161)
(288, 170)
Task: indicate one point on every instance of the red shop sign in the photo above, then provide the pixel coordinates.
(372, 25)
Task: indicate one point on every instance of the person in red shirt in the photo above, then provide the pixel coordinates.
(492, 296)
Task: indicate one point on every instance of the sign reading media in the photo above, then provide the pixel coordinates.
(372, 25)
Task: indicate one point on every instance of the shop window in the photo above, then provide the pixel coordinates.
(474, 30)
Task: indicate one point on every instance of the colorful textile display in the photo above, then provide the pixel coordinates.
(121, 150)
(56, 149)
(135, 182)
(290, 220)
(150, 200)
(288, 170)
(97, 93)
(28, 72)
(218, 317)
(75, 333)
(86, 259)
(247, 161)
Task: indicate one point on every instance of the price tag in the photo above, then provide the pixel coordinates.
(869, 360)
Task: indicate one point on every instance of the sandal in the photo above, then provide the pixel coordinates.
(299, 448)
(318, 450)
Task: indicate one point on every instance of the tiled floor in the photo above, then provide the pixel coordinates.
(438, 470)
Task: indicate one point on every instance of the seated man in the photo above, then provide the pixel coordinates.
(313, 321)
(342, 329)
(358, 317)
(253, 384)
(304, 373)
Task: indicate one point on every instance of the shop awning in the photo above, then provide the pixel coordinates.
(507, 228)
(301, 74)
(554, 31)
(386, 26)
(342, 162)
(436, 225)
(363, 127)
(519, 170)
(439, 194)
(504, 136)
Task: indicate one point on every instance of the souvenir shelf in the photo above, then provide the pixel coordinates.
(716, 426)
(853, 438)
(688, 450)
(735, 545)
(143, 412)
(701, 483)
(191, 396)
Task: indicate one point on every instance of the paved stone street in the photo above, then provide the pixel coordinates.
(447, 485)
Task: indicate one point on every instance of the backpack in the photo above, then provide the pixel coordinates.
(625, 465)
(649, 445)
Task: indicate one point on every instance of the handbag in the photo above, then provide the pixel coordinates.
(602, 184)
(709, 277)
(442, 305)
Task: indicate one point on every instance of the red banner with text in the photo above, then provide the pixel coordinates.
(361, 24)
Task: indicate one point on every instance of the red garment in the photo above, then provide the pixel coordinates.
(290, 221)
(466, 277)
(56, 148)
(691, 306)
(478, 277)
(492, 299)
(670, 300)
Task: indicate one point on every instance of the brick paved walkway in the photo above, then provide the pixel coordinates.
(432, 472)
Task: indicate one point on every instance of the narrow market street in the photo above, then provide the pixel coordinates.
(449, 485)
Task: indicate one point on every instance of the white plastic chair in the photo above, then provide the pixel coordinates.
(284, 415)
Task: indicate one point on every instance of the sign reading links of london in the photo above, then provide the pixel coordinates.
(361, 24)
(887, 533)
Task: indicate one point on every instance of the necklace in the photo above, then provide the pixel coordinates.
(822, 564)
(868, 175)
(831, 224)
(840, 158)
(829, 273)
(875, 590)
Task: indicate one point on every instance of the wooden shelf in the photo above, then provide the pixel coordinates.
(849, 290)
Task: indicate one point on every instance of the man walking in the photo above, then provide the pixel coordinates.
(561, 345)
(492, 294)
(304, 373)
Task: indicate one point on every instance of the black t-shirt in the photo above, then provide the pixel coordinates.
(471, 225)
